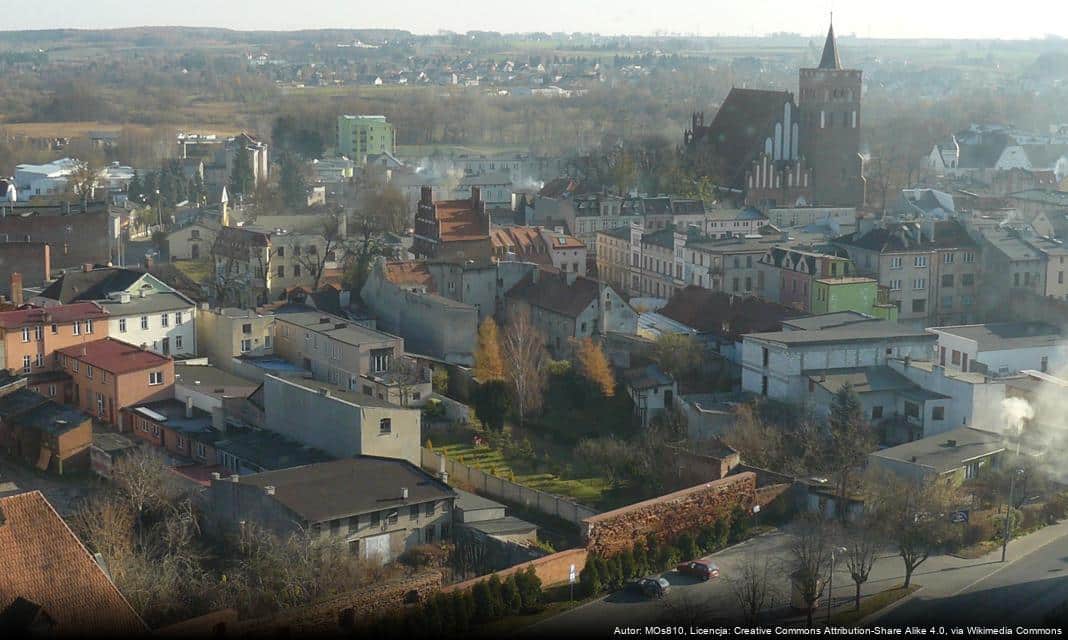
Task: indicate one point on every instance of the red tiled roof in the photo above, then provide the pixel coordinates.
(551, 292)
(114, 356)
(724, 314)
(410, 272)
(45, 563)
(59, 314)
(457, 221)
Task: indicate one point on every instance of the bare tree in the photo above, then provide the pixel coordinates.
(82, 181)
(405, 374)
(524, 351)
(334, 248)
(688, 610)
(144, 481)
(863, 541)
(811, 553)
(754, 588)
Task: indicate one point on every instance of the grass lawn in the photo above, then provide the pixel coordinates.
(195, 270)
(871, 604)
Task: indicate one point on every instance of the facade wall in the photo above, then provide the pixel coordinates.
(340, 427)
(41, 352)
(174, 338)
(221, 336)
(31, 259)
(105, 394)
(830, 134)
(308, 348)
(191, 243)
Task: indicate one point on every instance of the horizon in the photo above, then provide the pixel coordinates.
(905, 20)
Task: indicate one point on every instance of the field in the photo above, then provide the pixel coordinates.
(81, 129)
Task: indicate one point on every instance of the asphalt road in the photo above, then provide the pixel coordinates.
(1020, 593)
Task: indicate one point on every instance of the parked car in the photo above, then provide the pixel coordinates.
(648, 587)
(698, 569)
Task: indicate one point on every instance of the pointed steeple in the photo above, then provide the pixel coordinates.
(830, 59)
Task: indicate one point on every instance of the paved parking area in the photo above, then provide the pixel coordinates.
(63, 492)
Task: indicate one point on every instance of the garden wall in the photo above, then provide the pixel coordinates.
(669, 515)
(551, 569)
(328, 618)
(494, 487)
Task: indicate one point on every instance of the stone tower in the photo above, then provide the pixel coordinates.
(829, 100)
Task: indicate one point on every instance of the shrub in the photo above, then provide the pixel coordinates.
(706, 539)
(613, 576)
(720, 532)
(641, 559)
(739, 524)
(979, 530)
(511, 600)
(999, 524)
(590, 578)
(1055, 508)
(687, 547)
(529, 585)
(626, 564)
(1031, 517)
(424, 555)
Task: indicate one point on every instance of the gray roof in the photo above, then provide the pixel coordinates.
(828, 320)
(336, 327)
(1011, 245)
(152, 303)
(937, 454)
(111, 441)
(869, 380)
(646, 377)
(341, 488)
(1001, 336)
(340, 393)
(467, 501)
(270, 450)
(862, 332)
(212, 380)
(501, 526)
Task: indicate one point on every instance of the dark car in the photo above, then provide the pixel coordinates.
(648, 587)
(698, 569)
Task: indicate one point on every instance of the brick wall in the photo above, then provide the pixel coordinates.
(670, 515)
(325, 618)
(551, 569)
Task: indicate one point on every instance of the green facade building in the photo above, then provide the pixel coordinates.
(361, 136)
(830, 295)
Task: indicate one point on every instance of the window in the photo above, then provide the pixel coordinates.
(354, 523)
(380, 359)
(765, 355)
(895, 262)
(155, 430)
(895, 285)
(947, 279)
(920, 261)
(912, 410)
(55, 329)
(385, 425)
(76, 328)
(947, 258)
(375, 519)
(177, 342)
(202, 451)
(104, 376)
(89, 371)
(246, 345)
(155, 378)
(52, 391)
(947, 302)
(281, 271)
(413, 512)
(296, 271)
(177, 317)
(969, 257)
(392, 517)
(335, 527)
(967, 279)
(181, 442)
(38, 333)
(164, 320)
(26, 364)
(122, 325)
(938, 413)
(919, 305)
(25, 334)
(1016, 279)
(144, 322)
(876, 412)
(919, 284)
(74, 364)
(1045, 364)
(247, 329)
(429, 509)
(735, 284)
(38, 360)
(281, 253)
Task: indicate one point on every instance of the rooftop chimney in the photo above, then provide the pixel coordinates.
(234, 477)
(215, 475)
(269, 490)
(951, 443)
(87, 267)
(16, 289)
(404, 493)
(188, 407)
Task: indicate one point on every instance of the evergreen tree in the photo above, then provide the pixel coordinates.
(739, 524)
(641, 560)
(590, 578)
(529, 589)
(496, 590)
(242, 181)
(849, 440)
(492, 402)
(626, 564)
(483, 601)
(511, 600)
(134, 190)
(291, 183)
(199, 191)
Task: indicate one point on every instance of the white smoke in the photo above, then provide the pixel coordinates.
(1015, 412)
(1061, 168)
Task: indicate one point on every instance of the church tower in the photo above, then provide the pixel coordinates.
(829, 101)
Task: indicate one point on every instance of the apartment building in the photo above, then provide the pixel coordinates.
(109, 375)
(228, 332)
(30, 337)
(334, 349)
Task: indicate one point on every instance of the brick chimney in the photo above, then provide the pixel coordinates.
(16, 289)
(87, 267)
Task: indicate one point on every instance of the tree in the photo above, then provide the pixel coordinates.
(242, 178)
(314, 259)
(291, 183)
(144, 481)
(388, 208)
(811, 554)
(491, 403)
(849, 441)
(82, 181)
(863, 542)
(489, 364)
(405, 374)
(913, 514)
(594, 366)
(752, 586)
(524, 350)
(677, 353)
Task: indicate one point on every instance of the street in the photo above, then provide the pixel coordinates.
(973, 591)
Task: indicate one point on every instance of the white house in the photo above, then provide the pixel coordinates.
(777, 364)
(163, 321)
(44, 179)
(651, 390)
(1001, 349)
(972, 399)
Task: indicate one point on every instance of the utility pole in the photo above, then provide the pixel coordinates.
(1007, 531)
(830, 581)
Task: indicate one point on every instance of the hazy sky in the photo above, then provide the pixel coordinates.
(865, 18)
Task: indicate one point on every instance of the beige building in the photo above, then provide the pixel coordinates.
(229, 332)
(340, 422)
(192, 242)
(334, 349)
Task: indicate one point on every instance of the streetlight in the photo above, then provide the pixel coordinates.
(830, 581)
(159, 209)
(1008, 512)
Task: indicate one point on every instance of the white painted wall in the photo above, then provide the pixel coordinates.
(156, 332)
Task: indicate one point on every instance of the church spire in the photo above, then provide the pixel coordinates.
(830, 59)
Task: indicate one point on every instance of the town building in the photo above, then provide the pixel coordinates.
(338, 421)
(455, 230)
(1002, 348)
(852, 293)
(193, 241)
(31, 262)
(730, 223)
(953, 456)
(76, 233)
(49, 179)
(778, 365)
(257, 450)
(228, 332)
(41, 432)
(52, 584)
(181, 429)
(109, 375)
(335, 350)
(568, 307)
(376, 507)
(930, 267)
(544, 247)
(840, 220)
(30, 337)
(651, 390)
(790, 274)
(361, 136)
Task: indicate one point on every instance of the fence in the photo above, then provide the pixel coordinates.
(482, 482)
